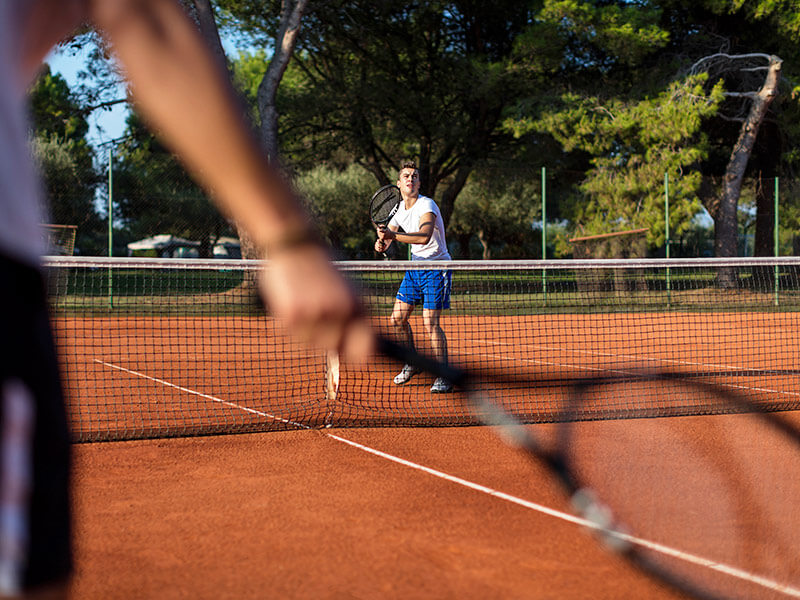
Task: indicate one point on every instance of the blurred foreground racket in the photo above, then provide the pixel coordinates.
(709, 504)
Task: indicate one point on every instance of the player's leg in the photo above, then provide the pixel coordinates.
(399, 319)
(433, 329)
(408, 295)
(436, 290)
(400, 314)
(431, 319)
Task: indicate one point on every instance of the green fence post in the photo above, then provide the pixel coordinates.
(776, 237)
(544, 231)
(110, 222)
(666, 235)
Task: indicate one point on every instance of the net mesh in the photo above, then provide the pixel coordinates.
(157, 348)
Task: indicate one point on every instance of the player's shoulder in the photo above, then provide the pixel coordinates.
(427, 204)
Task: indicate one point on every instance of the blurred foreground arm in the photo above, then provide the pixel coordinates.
(184, 94)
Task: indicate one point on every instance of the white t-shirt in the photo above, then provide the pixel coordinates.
(408, 219)
(21, 212)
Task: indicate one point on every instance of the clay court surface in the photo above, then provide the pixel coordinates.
(304, 515)
(412, 512)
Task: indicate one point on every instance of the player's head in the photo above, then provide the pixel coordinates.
(408, 179)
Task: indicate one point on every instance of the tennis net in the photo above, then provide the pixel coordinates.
(158, 348)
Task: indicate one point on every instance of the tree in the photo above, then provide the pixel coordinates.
(337, 201)
(498, 206)
(391, 80)
(625, 130)
(154, 195)
(759, 95)
(733, 42)
(632, 144)
(625, 56)
(288, 26)
(65, 157)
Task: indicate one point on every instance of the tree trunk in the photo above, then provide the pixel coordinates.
(487, 251)
(725, 229)
(726, 239)
(291, 15)
(448, 201)
(204, 16)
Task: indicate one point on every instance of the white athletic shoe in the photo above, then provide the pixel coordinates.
(407, 373)
(441, 386)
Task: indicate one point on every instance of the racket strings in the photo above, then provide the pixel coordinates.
(704, 502)
(715, 491)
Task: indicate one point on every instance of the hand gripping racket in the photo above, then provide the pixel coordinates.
(384, 204)
(706, 500)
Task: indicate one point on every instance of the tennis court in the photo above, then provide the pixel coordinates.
(299, 515)
(358, 488)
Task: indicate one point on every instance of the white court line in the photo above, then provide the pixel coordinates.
(201, 395)
(631, 372)
(623, 356)
(630, 539)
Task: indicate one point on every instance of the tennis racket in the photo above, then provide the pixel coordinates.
(383, 205)
(707, 503)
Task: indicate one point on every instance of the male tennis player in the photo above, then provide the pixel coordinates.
(184, 93)
(423, 229)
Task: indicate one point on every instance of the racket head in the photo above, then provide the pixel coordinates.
(701, 500)
(384, 204)
(674, 494)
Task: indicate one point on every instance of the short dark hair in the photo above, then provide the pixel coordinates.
(409, 164)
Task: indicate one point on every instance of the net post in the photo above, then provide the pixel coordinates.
(776, 241)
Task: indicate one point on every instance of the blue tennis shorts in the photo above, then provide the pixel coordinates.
(431, 288)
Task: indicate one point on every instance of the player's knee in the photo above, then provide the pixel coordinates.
(398, 320)
(432, 329)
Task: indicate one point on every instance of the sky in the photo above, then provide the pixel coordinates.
(105, 125)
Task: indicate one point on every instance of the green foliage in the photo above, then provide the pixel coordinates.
(54, 109)
(631, 146)
(248, 70)
(379, 82)
(339, 201)
(69, 183)
(622, 31)
(251, 22)
(498, 208)
(154, 195)
(65, 158)
(783, 15)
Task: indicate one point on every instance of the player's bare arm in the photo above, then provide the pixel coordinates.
(185, 96)
(422, 236)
